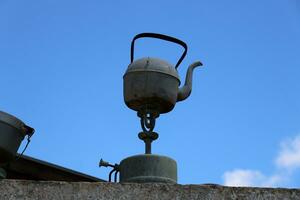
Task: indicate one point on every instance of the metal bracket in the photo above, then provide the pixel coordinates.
(148, 138)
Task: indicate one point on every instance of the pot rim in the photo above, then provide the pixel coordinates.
(13, 122)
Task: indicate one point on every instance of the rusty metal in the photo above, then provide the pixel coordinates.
(151, 85)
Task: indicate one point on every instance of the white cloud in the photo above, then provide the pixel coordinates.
(242, 177)
(250, 178)
(287, 161)
(289, 154)
(274, 180)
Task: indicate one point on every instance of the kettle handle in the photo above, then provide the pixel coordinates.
(162, 37)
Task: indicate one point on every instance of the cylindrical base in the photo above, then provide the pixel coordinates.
(2, 173)
(147, 168)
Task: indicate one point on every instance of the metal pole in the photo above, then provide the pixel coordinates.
(148, 138)
(148, 146)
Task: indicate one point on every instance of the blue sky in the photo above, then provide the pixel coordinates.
(62, 64)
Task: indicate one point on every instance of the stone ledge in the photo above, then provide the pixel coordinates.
(46, 190)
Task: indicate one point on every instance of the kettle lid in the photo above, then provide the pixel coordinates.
(154, 65)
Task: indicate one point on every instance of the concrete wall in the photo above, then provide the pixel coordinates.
(16, 189)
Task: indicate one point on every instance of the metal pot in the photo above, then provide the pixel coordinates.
(12, 132)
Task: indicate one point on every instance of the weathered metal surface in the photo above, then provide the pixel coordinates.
(148, 168)
(12, 132)
(150, 91)
(25, 190)
(185, 91)
(151, 84)
(151, 87)
(148, 138)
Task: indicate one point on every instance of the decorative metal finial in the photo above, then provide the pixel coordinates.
(148, 119)
(151, 86)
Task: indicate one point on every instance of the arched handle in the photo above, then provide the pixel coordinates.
(162, 37)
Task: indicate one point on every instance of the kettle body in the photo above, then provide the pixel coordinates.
(151, 84)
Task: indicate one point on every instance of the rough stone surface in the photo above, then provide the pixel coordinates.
(23, 190)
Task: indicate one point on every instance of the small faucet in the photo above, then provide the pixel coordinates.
(116, 169)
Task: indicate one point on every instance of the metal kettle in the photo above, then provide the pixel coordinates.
(151, 85)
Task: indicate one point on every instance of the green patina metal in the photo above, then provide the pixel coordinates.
(148, 168)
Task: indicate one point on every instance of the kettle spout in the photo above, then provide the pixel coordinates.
(185, 91)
